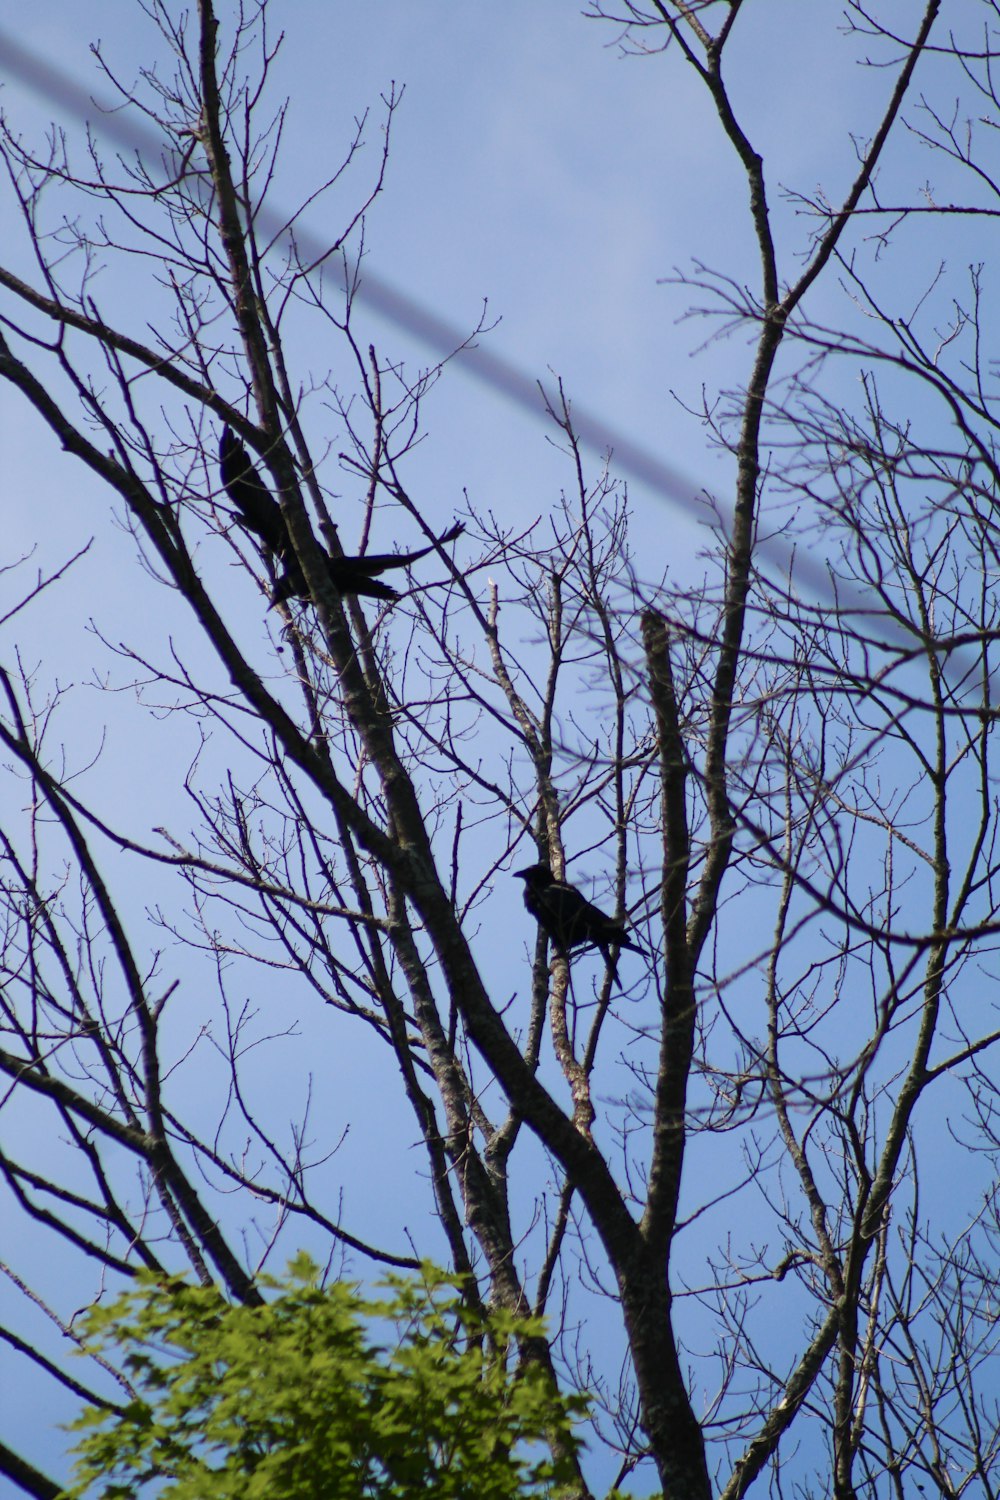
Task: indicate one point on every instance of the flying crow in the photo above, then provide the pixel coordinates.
(260, 513)
(358, 575)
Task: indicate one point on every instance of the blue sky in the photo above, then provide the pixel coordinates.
(532, 167)
(536, 169)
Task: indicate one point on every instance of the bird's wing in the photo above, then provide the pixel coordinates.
(374, 563)
(353, 575)
(345, 575)
(573, 918)
(259, 511)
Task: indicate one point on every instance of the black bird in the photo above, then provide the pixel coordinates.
(359, 575)
(569, 919)
(260, 513)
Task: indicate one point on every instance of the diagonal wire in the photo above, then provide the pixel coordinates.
(438, 335)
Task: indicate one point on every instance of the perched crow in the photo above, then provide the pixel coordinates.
(569, 919)
(260, 513)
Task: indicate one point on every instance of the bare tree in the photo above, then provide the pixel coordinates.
(791, 800)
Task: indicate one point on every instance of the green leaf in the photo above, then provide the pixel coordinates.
(321, 1391)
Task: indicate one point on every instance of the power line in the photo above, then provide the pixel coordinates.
(438, 335)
